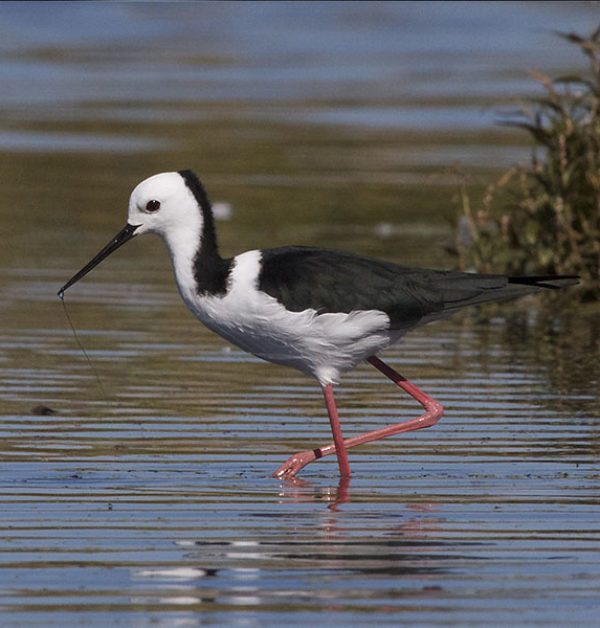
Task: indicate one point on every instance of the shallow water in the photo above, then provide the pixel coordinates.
(154, 505)
(136, 490)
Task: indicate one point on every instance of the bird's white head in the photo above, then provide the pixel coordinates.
(173, 205)
(164, 204)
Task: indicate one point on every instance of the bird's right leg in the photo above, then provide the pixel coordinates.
(298, 461)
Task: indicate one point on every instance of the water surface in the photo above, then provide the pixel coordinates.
(137, 491)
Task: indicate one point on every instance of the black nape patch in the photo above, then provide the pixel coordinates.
(197, 189)
(211, 272)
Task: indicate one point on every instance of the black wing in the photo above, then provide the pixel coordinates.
(336, 281)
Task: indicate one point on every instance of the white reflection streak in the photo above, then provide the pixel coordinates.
(172, 573)
(245, 544)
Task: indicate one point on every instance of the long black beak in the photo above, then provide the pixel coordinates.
(123, 236)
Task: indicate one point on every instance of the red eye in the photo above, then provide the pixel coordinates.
(152, 206)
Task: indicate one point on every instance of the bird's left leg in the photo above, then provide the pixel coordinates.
(433, 412)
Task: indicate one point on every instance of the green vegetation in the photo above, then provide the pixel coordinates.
(544, 216)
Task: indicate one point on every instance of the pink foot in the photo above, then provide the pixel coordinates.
(294, 464)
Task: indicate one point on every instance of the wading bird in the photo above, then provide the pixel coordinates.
(317, 310)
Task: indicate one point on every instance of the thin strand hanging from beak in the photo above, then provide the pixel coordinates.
(87, 357)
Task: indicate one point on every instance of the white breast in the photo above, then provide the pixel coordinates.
(320, 345)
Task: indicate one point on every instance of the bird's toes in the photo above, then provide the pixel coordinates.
(294, 464)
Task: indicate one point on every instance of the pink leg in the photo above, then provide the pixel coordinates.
(433, 412)
(336, 430)
(298, 461)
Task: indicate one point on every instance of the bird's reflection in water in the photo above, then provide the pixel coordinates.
(338, 545)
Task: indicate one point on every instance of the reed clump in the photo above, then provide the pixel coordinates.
(543, 217)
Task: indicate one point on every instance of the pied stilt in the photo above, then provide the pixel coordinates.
(317, 310)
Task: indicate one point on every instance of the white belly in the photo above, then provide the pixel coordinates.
(322, 346)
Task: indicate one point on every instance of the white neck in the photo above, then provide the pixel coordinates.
(183, 243)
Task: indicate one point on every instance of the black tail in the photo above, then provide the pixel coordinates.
(459, 290)
(552, 282)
